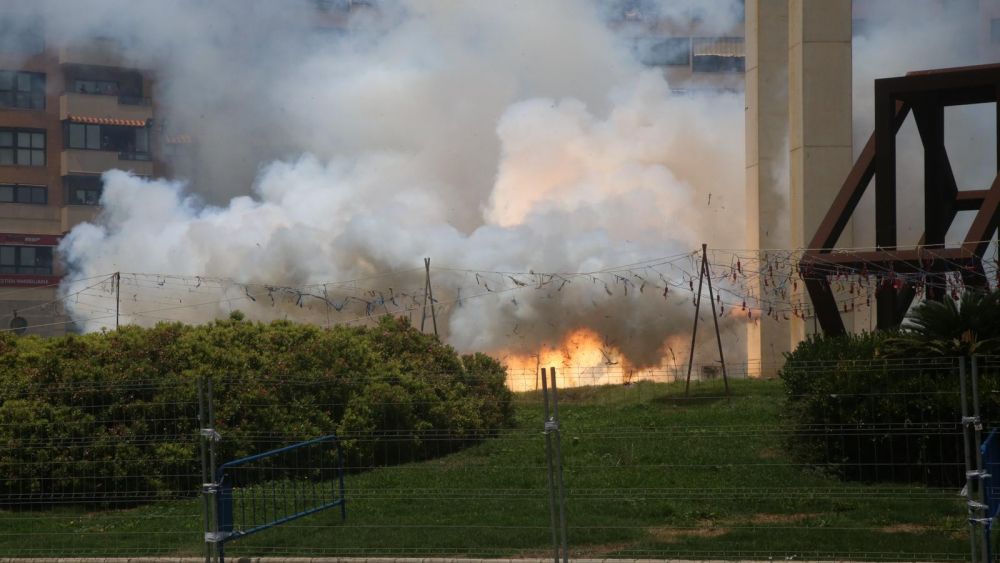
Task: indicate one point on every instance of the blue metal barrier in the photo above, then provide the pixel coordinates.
(248, 506)
(991, 463)
(990, 450)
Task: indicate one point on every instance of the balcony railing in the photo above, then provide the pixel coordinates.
(103, 105)
(75, 213)
(134, 101)
(81, 161)
(132, 155)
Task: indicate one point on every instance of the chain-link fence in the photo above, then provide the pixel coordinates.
(835, 461)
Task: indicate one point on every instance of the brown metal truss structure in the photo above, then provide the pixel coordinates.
(925, 94)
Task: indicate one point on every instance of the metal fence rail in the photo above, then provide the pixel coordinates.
(258, 492)
(861, 461)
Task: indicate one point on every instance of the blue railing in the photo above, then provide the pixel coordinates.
(247, 506)
(990, 452)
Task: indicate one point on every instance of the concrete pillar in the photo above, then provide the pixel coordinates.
(766, 161)
(819, 118)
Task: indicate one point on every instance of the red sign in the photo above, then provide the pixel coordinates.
(33, 240)
(28, 280)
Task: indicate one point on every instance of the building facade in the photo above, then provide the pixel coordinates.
(67, 114)
(695, 55)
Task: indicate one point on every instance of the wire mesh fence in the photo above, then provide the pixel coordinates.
(835, 461)
(90, 469)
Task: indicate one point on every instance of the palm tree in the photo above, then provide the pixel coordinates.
(949, 328)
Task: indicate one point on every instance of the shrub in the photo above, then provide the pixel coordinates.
(112, 417)
(951, 328)
(870, 417)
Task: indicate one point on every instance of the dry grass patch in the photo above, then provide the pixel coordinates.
(769, 453)
(599, 551)
(781, 518)
(668, 534)
(906, 529)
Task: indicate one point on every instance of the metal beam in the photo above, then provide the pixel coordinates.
(927, 93)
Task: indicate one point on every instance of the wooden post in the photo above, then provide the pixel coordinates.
(428, 296)
(423, 310)
(118, 296)
(538, 363)
(694, 331)
(711, 299)
(705, 272)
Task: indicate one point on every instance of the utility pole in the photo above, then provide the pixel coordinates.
(705, 274)
(428, 296)
(118, 297)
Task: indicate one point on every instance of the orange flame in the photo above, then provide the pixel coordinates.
(584, 358)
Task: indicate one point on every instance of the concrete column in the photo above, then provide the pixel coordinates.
(819, 118)
(766, 161)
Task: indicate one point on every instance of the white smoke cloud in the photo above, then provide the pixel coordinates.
(574, 192)
(491, 136)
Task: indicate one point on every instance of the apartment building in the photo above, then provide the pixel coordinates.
(694, 54)
(67, 114)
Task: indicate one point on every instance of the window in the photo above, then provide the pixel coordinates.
(26, 260)
(142, 141)
(655, 51)
(22, 90)
(104, 81)
(22, 147)
(105, 87)
(82, 136)
(715, 63)
(340, 5)
(10, 193)
(995, 30)
(132, 143)
(717, 54)
(83, 190)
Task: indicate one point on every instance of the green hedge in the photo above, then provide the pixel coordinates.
(873, 418)
(112, 417)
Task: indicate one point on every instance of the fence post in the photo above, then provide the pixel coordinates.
(975, 475)
(553, 454)
(559, 468)
(209, 487)
(206, 475)
(967, 450)
(551, 468)
(977, 429)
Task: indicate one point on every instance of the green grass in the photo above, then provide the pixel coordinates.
(649, 473)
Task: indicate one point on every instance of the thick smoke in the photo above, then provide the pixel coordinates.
(492, 136)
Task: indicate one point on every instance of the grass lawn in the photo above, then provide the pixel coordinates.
(649, 473)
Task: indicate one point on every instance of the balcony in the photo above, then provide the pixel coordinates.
(100, 52)
(30, 218)
(98, 105)
(73, 215)
(79, 161)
